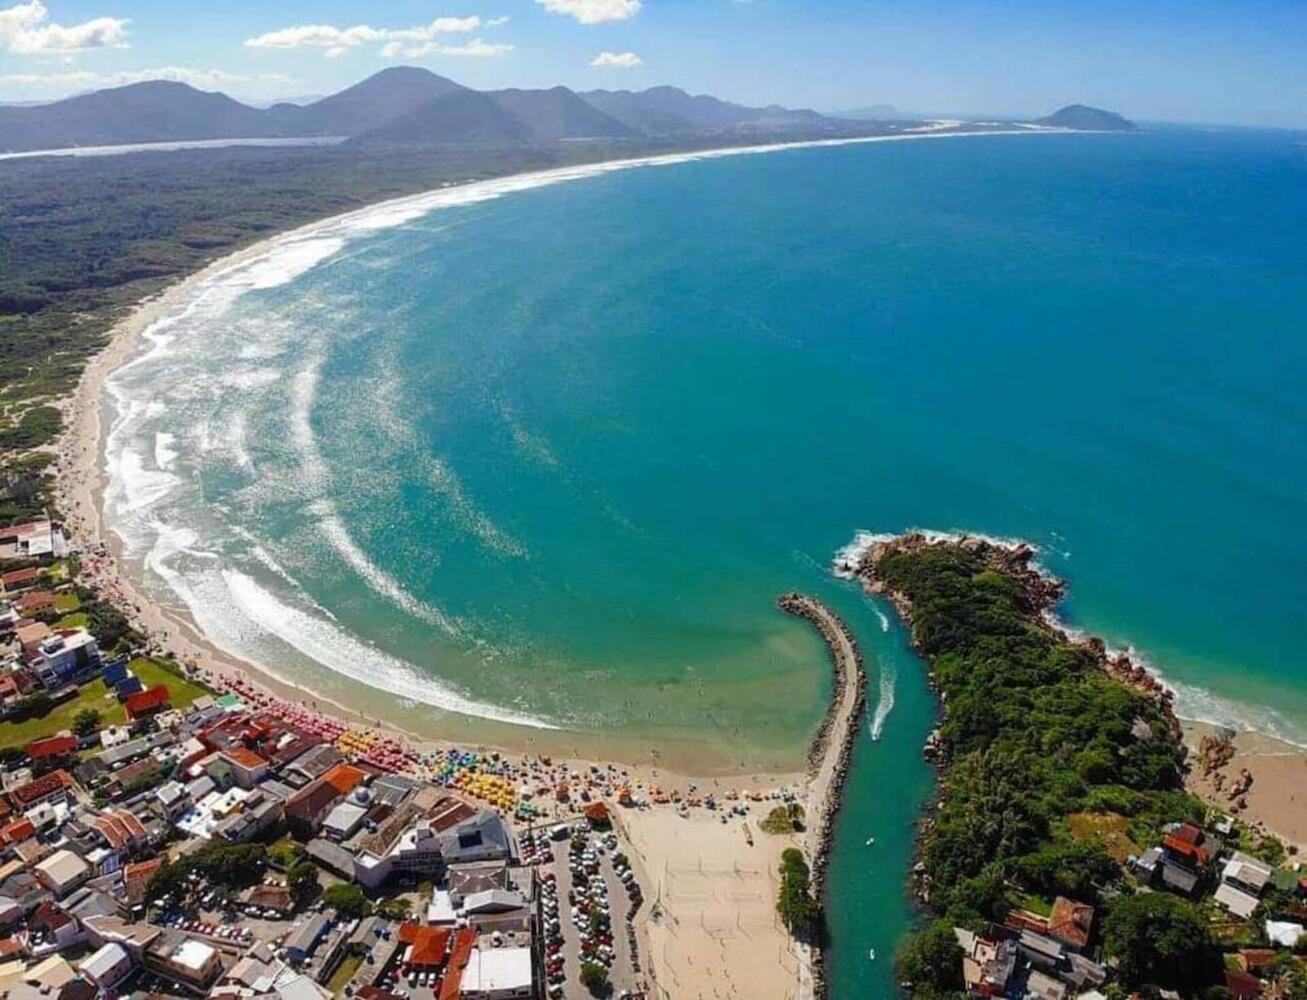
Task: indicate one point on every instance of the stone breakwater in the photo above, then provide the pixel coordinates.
(832, 746)
(1041, 591)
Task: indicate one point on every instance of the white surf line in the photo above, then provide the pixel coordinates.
(285, 257)
(408, 208)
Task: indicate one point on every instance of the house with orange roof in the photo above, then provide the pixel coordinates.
(451, 985)
(425, 948)
(148, 702)
(18, 580)
(247, 767)
(50, 787)
(1071, 923)
(136, 877)
(52, 748)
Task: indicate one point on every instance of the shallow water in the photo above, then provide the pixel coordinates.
(549, 458)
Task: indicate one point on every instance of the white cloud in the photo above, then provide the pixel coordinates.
(476, 47)
(593, 11)
(398, 41)
(618, 60)
(26, 30)
(266, 84)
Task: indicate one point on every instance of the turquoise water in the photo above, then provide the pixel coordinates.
(548, 458)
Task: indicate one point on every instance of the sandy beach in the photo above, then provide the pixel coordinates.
(1276, 800)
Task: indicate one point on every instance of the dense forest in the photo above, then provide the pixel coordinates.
(1035, 738)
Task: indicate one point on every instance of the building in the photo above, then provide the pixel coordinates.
(52, 749)
(1242, 880)
(499, 974)
(1071, 923)
(184, 960)
(136, 878)
(344, 818)
(988, 962)
(301, 943)
(66, 656)
(40, 540)
(62, 872)
(425, 948)
(148, 702)
(107, 967)
(247, 767)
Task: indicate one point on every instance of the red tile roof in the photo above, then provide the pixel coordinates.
(17, 831)
(147, 701)
(465, 938)
(1243, 985)
(137, 876)
(34, 600)
(245, 757)
(451, 813)
(119, 828)
(345, 778)
(428, 946)
(52, 746)
(26, 796)
(19, 576)
(1071, 922)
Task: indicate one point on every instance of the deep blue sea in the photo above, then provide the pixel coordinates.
(547, 456)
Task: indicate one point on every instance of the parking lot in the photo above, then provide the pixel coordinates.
(587, 895)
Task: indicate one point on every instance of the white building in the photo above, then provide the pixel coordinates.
(498, 974)
(66, 656)
(107, 967)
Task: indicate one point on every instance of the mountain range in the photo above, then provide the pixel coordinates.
(401, 105)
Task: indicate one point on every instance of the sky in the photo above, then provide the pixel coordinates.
(1154, 60)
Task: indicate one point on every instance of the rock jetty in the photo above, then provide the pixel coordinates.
(832, 746)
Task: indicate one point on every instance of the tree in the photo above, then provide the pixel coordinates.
(932, 962)
(1158, 939)
(799, 911)
(1289, 976)
(86, 721)
(394, 909)
(594, 977)
(347, 899)
(302, 883)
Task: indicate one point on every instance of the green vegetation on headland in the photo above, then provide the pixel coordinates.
(1050, 770)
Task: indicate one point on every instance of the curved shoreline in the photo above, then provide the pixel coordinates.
(82, 478)
(832, 747)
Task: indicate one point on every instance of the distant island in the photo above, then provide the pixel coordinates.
(1084, 118)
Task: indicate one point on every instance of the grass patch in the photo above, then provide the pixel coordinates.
(1109, 829)
(78, 619)
(67, 602)
(153, 671)
(93, 695)
(1037, 905)
(343, 974)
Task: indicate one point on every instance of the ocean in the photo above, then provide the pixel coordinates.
(543, 455)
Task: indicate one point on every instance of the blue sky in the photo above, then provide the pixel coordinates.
(1197, 61)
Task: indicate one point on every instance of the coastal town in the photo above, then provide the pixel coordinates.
(171, 830)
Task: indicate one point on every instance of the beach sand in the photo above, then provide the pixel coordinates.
(1276, 800)
(710, 919)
